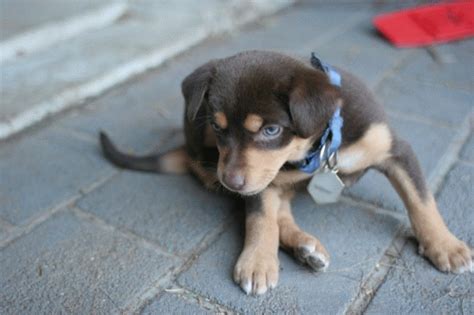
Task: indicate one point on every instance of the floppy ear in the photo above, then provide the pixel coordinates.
(194, 87)
(312, 102)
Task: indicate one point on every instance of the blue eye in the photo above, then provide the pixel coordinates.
(272, 131)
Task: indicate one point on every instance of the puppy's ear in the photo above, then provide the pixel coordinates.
(195, 86)
(312, 102)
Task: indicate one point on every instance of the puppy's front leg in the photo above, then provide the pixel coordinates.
(257, 267)
(436, 242)
(305, 247)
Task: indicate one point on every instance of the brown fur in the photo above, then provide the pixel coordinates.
(243, 93)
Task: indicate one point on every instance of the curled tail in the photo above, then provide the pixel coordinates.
(174, 161)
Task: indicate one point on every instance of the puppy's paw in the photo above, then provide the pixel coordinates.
(449, 254)
(256, 272)
(313, 254)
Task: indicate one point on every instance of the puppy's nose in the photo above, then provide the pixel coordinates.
(234, 180)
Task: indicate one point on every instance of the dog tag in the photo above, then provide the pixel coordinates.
(325, 187)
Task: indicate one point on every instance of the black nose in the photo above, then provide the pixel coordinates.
(234, 180)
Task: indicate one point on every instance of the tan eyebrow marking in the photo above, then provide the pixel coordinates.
(221, 120)
(253, 122)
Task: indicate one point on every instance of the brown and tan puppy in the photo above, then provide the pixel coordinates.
(249, 116)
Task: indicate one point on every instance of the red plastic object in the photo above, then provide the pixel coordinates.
(429, 24)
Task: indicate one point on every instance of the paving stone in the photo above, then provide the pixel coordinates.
(135, 119)
(67, 265)
(174, 211)
(449, 66)
(413, 285)
(41, 170)
(355, 238)
(299, 30)
(431, 98)
(4, 232)
(467, 152)
(18, 16)
(170, 303)
(361, 51)
(429, 145)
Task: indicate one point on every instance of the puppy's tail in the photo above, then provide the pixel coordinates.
(173, 162)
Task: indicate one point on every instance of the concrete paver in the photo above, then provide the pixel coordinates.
(428, 143)
(355, 239)
(467, 154)
(171, 210)
(143, 221)
(413, 285)
(41, 171)
(68, 265)
(170, 303)
(425, 88)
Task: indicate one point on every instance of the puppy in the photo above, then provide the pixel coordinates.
(255, 121)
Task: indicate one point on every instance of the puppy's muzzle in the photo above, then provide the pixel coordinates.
(234, 180)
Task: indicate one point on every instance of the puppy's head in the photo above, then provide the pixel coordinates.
(265, 109)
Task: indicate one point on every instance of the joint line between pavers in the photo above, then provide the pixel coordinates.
(98, 183)
(143, 299)
(467, 163)
(390, 72)
(200, 300)
(20, 231)
(377, 275)
(87, 216)
(6, 225)
(374, 208)
(420, 119)
(362, 300)
(449, 158)
(329, 34)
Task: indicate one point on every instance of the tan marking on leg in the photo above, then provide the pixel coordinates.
(290, 178)
(209, 137)
(253, 122)
(175, 161)
(257, 267)
(306, 247)
(221, 120)
(436, 241)
(373, 148)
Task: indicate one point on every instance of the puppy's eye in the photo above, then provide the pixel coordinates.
(215, 126)
(272, 131)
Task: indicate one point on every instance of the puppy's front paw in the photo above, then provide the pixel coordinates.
(313, 254)
(256, 272)
(448, 254)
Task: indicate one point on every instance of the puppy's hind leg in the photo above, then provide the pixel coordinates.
(305, 247)
(436, 242)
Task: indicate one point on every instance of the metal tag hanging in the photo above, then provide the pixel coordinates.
(326, 186)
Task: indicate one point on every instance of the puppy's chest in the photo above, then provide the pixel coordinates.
(349, 161)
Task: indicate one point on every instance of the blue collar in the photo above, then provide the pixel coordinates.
(333, 75)
(312, 161)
